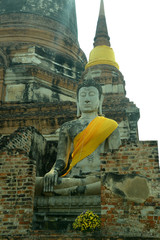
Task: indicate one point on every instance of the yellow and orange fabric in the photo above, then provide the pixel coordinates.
(87, 141)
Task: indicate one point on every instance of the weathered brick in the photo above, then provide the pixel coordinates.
(128, 214)
(16, 194)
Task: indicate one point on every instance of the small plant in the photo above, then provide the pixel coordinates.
(87, 221)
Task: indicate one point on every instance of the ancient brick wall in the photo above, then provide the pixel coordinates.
(29, 140)
(17, 180)
(45, 117)
(121, 215)
(46, 235)
(40, 51)
(124, 211)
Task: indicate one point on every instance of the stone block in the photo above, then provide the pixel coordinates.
(58, 213)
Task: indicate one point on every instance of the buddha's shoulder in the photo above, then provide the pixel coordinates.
(70, 124)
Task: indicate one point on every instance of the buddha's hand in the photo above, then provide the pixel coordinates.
(50, 179)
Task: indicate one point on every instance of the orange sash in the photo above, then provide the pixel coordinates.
(87, 141)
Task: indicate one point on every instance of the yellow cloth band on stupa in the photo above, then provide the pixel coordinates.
(102, 55)
(87, 141)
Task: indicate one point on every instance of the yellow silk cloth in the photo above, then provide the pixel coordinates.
(87, 141)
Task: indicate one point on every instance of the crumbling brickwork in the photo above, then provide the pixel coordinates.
(124, 211)
(29, 140)
(17, 181)
(121, 216)
(45, 117)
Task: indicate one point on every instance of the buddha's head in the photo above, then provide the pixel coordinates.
(89, 97)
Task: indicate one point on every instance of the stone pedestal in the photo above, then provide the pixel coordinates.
(59, 212)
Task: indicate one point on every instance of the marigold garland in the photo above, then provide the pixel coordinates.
(87, 221)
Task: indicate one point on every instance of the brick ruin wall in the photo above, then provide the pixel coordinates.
(124, 217)
(120, 216)
(17, 180)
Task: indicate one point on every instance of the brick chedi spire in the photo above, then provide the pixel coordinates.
(105, 70)
(102, 37)
(102, 52)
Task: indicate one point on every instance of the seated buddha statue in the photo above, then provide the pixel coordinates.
(76, 170)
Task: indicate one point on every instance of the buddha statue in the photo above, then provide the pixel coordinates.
(77, 167)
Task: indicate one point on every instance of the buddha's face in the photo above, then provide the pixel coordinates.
(88, 99)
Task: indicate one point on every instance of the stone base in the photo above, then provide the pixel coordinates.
(59, 212)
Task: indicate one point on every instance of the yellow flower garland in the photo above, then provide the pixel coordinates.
(87, 222)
